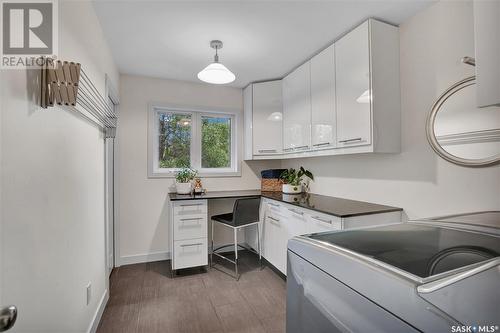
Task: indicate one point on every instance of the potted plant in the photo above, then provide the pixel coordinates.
(183, 179)
(292, 180)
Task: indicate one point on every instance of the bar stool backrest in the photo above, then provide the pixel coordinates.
(246, 210)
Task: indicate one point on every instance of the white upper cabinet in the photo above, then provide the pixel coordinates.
(247, 122)
(353, 88)
(367, 88)
(297, 109)
(267, 118)
(487, 49)
(323, 99)
(344, 100)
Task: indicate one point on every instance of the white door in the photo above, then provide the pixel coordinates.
(267, 118)
(297, 109)
(352, 70)
(323, 99)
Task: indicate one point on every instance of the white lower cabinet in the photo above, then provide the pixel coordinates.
(275, 240)
(282, 221)
(188, 234)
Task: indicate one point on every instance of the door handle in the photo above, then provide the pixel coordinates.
(351, 140)
(296, 211)
(317, 218)
(193, 244)
(8, 316)
(321, 144)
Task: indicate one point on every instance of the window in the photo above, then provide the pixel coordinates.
(215, 142)
(202, 140)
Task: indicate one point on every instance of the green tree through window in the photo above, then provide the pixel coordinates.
(215, 142)
(174, 140)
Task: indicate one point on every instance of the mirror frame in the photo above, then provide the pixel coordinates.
(431, 135)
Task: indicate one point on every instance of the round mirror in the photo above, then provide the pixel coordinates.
(462, 133)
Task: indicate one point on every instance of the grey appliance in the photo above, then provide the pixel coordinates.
(419, 276)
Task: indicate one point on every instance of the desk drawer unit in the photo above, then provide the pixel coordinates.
(189, 228)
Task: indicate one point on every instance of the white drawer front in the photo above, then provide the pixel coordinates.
(274, 208)
(318, 222)
(190, 226)
(190, 207)
(190, 253)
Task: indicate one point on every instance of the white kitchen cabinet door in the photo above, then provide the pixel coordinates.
(323, 99)
(275, 241)
(267, 118)
(487, 52)
(352, 71)
(297, 109)
(247, 123)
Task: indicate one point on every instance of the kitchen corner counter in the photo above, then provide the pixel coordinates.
(321, 203)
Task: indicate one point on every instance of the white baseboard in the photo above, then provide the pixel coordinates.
(98, 314)
(140, 258)
(157, 256)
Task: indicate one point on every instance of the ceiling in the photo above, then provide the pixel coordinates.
(262, 39)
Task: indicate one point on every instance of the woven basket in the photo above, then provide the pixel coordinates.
(271, 184)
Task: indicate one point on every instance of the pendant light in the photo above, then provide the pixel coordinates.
(216, 73)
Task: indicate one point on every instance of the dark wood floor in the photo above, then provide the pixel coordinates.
(144, 298)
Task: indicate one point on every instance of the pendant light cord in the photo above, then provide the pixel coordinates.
(216, 58)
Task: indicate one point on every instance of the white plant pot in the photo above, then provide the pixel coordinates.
(291, 189)
(183, 188)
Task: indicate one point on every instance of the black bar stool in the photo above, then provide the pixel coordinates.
(245, 213)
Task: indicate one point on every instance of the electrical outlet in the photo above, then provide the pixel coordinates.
(89, 293)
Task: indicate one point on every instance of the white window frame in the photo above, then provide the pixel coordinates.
(154, 171)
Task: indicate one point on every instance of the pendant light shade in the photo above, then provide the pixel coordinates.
(216, 73)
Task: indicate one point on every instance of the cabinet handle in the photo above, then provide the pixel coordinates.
(193, 244)
(296, 211)
(322, 220)
(295, 148)
(351, 140)
(268, 151)
(191, 205)
(321, 144)
(273, 204)
(192, 219)
(273, 219)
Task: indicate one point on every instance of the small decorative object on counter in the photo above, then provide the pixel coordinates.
(271, 181)
(183, 180)
(198, 186)
(293, 180)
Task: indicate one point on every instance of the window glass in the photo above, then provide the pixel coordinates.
(215, 142)
(174, 140)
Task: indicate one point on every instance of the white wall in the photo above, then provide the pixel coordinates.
(432, 44)
(52, 194)
(143, 205)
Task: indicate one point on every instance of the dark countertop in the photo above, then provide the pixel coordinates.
(321, 203)
(215, 195)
